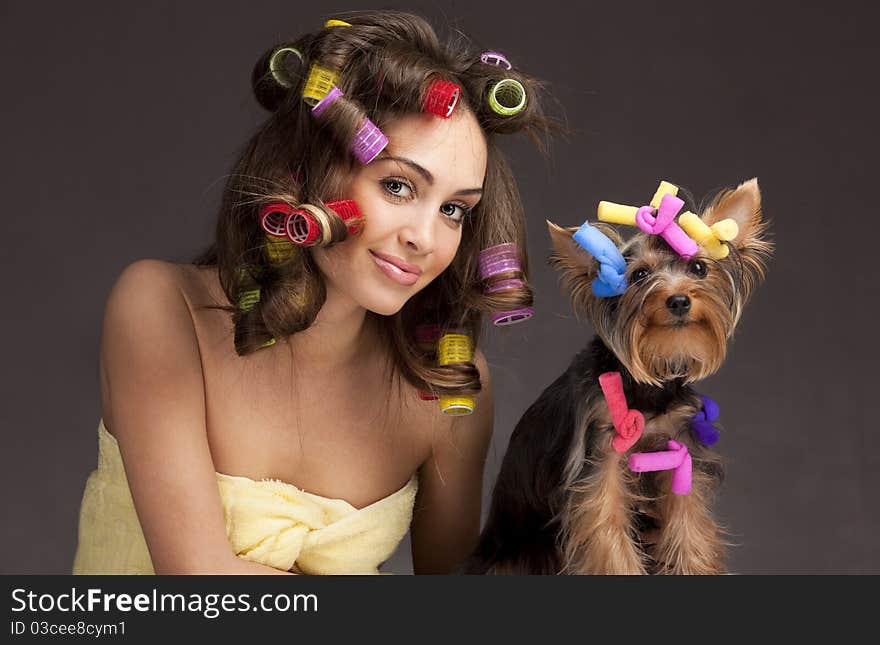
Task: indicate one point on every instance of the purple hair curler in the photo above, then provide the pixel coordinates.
(368, 142)
(503, 318)
(495, 58)
(500, 258)
(332, 95)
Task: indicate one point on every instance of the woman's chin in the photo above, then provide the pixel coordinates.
(385, 307)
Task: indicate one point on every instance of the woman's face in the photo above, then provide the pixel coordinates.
(414, 197)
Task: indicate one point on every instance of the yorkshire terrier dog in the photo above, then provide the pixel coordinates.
(610, 470)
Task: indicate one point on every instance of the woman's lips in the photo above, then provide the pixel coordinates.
(394, 272)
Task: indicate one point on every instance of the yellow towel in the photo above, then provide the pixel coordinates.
(270, 522)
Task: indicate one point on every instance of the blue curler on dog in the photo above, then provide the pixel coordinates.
(611, 280)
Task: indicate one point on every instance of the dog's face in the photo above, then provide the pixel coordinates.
(676, 315)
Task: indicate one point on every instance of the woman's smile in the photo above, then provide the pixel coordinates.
(396, 269)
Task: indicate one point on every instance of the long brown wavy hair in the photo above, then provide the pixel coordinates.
(385, 61)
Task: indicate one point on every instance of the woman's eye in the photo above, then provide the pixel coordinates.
(640, 274)
(698, 268)
(397, 188)
(455, 212)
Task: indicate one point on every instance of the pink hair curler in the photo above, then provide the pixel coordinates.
(442, 98)
(664, 225)
(628, 424)
(368, 142)
(677, 459)
(273, 218)
(496, 58)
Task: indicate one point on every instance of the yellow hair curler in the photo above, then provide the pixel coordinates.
(710, 237)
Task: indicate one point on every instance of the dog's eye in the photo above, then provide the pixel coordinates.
(640, 274)
(698, 268)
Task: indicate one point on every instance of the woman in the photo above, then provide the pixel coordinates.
(298, 430)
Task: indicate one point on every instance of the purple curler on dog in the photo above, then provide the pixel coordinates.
(702, 422)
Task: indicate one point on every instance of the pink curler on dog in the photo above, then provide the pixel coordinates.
(676, 459)
(629, 424)
(664, 224)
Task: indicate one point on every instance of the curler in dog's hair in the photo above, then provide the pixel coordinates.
(628, 424)
(495, 58)
(368, 142)
(499, 260)
(318, 83)
(711, 238)
(611, 278)
(507, 97)
(661, 221)
(656, 219)
(442, 98)
(333, 22)
(702, 422)
(676, 459)
(455, 348)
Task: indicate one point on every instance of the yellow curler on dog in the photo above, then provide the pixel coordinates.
(333, 22)
(455, 348)
(709, 237)
(665, 188)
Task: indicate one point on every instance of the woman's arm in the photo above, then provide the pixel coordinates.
(446, 518)
(151, 360)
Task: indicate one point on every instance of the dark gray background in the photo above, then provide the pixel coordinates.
(120, 121)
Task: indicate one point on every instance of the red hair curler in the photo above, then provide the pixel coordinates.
(273, 218)
(350, 213)
(442, 98)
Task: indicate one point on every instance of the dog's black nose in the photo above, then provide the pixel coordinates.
(679, 304)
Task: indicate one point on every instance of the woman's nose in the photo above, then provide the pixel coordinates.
(418, 232)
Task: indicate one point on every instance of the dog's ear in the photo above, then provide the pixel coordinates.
(576, 267)
(743, 206)
(753, 249)
(569, 258)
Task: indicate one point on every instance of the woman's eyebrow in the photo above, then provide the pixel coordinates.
(424, 172)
